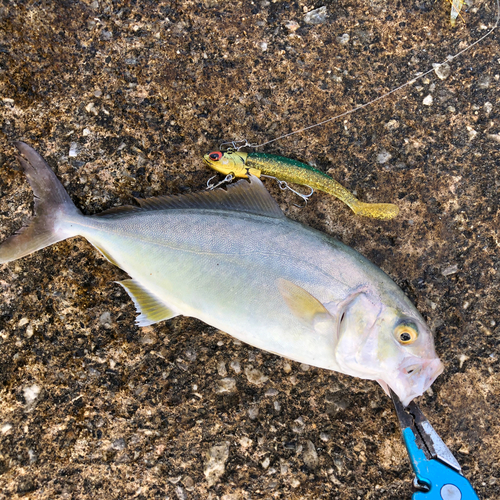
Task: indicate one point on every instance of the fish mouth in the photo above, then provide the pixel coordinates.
(413, 378)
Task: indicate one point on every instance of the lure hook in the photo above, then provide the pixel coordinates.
(237, 145)
(283, 185)
(228, 178)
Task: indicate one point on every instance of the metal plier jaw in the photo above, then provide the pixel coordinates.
(438, 474)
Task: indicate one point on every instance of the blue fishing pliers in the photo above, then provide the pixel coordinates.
(438, 474)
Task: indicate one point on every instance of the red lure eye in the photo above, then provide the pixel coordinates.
(215, 156)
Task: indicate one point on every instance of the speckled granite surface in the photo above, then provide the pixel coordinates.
(123, 98)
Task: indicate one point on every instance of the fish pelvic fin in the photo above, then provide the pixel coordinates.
(150, 309)
(52, 206)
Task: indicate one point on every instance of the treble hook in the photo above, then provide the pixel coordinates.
(284, 186)
(237, 145)
(228, 178)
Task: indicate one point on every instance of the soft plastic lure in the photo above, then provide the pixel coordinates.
(285, 169)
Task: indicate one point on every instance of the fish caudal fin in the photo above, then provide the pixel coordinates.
(52, 204)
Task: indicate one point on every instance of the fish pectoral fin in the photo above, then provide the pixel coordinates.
(150, 309)
(306, 307)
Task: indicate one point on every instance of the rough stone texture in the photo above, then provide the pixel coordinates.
(123, 98)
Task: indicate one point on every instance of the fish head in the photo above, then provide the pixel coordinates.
(389, 344)
(230, 162)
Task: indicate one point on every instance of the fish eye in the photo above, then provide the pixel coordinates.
(215, 156)
(406, 333)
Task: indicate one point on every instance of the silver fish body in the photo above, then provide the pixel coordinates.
(231, 259)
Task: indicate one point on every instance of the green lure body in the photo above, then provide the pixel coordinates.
(286, 169)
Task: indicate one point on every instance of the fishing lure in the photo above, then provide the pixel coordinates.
(242, 165)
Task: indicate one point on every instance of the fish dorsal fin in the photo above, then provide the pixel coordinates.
(117, 211)
(306, 307)
(150, 309)
(243, 196)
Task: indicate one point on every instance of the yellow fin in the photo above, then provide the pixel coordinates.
(306, 307)
(150, 308)
(104, 253)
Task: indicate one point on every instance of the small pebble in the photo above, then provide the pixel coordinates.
(85, 132)
(384, 156)
(245, 442)
(31, 393)
(428, 101)
(472, 133)
(255, 376)
(298, 425)
(463, 358)
(5, 428)
(106, 35)
(488, 107)
(344, 39)
(447, 271)
(253, 412)
(316, 16)
(221, 368)
(235, 366)
(215, 464)
(180, 492)
(392, 125)
(292, 26)
(225, 386)
(324, 437)
(310, 455)
(484, 82)
(73, 150)
(265, 463)
(119, 444)
(443, 71)
(105, 319)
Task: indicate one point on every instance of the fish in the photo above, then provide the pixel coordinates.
(230, 258)
(242, 165)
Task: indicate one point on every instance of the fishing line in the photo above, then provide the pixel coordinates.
(243, 143)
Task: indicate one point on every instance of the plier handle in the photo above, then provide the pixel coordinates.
(438, 474)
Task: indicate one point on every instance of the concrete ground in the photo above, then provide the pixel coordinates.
(123, 99)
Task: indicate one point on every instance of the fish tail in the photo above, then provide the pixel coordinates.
(53, 207)
(383, 211)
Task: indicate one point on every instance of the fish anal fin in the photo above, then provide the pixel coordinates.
(104, 253)
(306, 307)
(150, 309)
